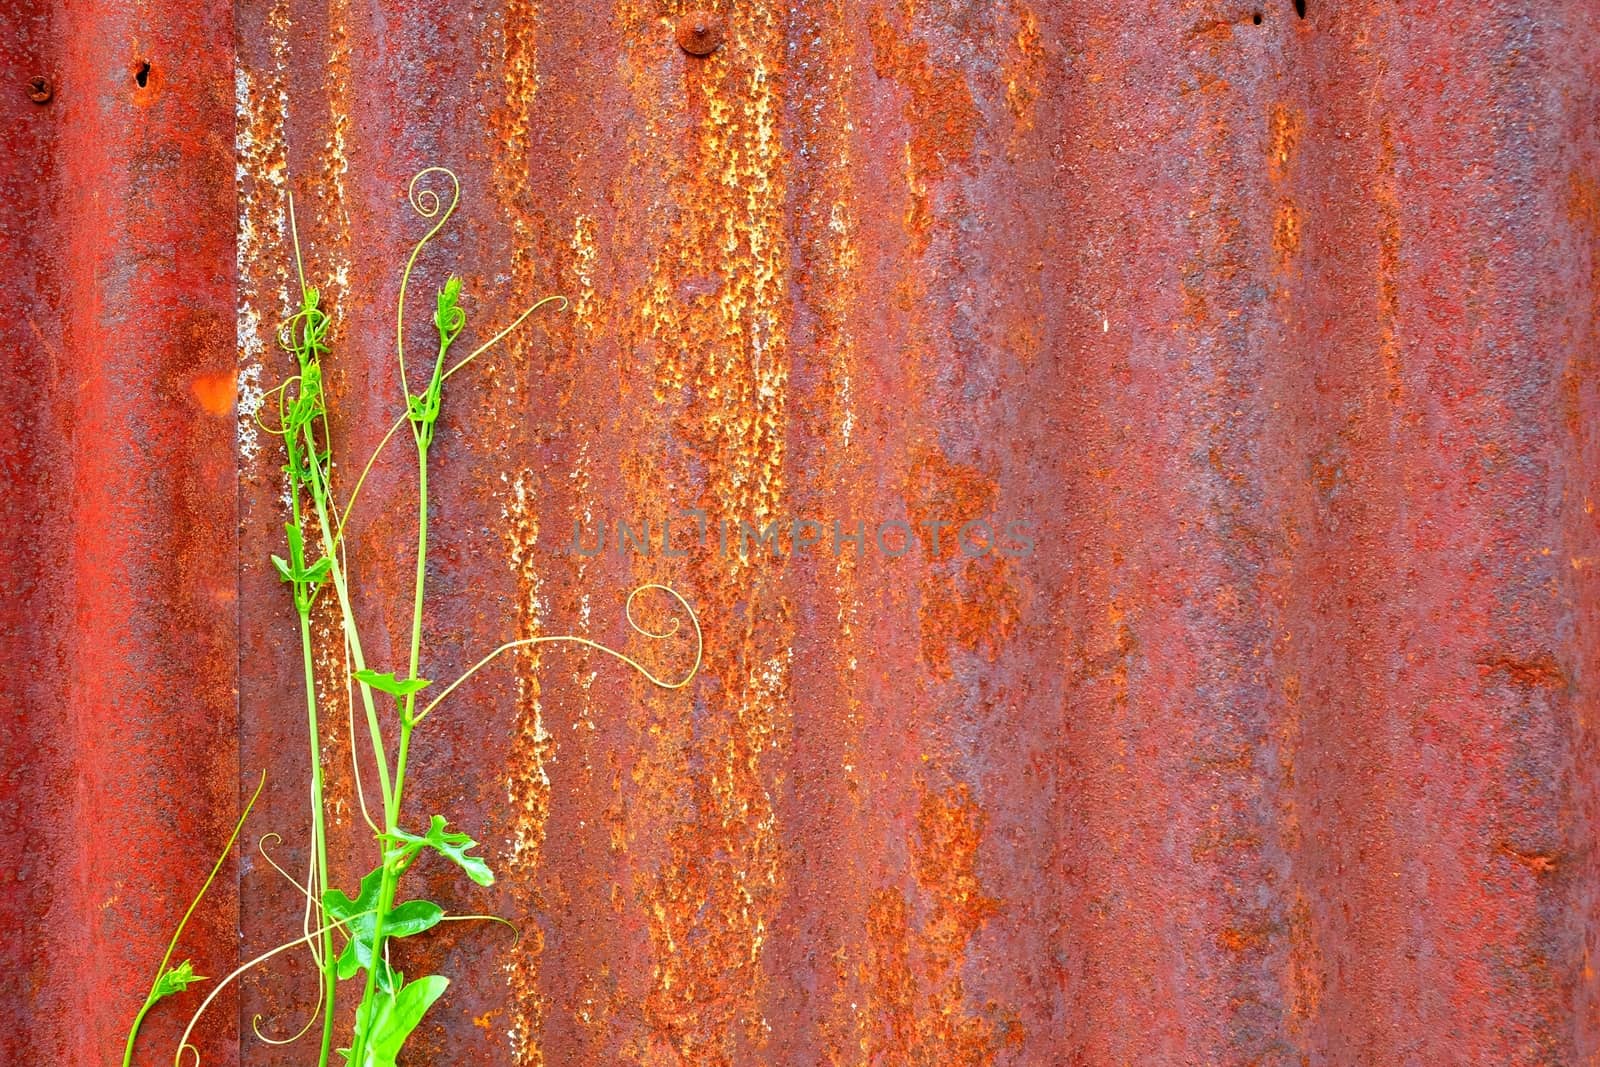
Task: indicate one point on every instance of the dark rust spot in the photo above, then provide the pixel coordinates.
(40, 90)
(700, 33)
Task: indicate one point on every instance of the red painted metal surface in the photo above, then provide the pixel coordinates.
(1278, 324)
(120, 773)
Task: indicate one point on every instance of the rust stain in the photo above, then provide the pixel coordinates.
(1305, 965)
(263, 288)
(1537, 671)
(533, 749)
(1388, 203)
(1537, 862)
(1285, 127)
(1583, 210)
(938, 109)
(1286, 226)
(329, 234)
(919, 1003)
(715, 358)
(215, 392)
(1022, 74)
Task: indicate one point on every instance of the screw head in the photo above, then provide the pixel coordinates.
(700, 33)
(40, 90)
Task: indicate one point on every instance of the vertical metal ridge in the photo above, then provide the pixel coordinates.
(120, 518)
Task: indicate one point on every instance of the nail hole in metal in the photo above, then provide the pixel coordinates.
(1300, 8)
(39, 89)
(142, 74)
(1255, 19)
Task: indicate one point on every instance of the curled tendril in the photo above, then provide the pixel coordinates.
(194, 1020)
(574, 639)
(306, 331)
(424, 202)
(311, 1020)
(261, 847)
(277, 391)
(313, 946)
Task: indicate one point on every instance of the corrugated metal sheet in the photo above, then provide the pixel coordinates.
(1278, 323)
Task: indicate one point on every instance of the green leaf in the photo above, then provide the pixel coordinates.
(449, 318)
(285, 572)
(423, 408)
(176, 980)
(452, 846)
(389, 1020)
(359, 917)
(297, 548)
(395, 687)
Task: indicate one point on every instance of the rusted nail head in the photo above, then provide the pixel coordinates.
(40, 90)
(700, 33)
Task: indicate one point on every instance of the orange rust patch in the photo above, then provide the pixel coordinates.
(939, 110)
(1022, 76)
(1286, 227)
(1539, 671)
(1244, 939)
(1216, 31)
(1583, 201)
(939, 489)
(1583, 208)
(333, 241)
(1217, 840)
(215, 392)
(532, 750)
(1285, 126)
(919, 1004)
(1539, 862)
(1195, 308)
(708, 317)
(949, 830)
(1388, 203)
(976, 612)
(1305, 967)
(971, 603)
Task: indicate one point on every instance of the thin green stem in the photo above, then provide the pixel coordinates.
(344, 514)
(138, 1021)
(416, 603)
(391, 873)
(319, 838)
(161, 971)
(319, 498)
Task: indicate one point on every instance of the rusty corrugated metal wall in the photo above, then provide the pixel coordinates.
(1278, 323)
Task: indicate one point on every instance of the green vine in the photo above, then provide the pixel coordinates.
(348, 936)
